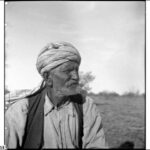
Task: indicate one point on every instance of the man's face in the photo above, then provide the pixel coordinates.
(65, 78)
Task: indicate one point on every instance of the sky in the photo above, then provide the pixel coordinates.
(110, 37)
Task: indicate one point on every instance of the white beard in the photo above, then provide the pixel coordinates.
(69, 91)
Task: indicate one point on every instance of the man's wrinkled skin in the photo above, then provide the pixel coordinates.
(62, 82)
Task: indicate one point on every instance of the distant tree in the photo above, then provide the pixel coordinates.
(108, 93)
(85, 80)
(131, 93)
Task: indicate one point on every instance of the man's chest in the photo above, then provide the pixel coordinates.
(61, 129)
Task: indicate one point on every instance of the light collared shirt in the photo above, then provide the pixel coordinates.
(60, 125)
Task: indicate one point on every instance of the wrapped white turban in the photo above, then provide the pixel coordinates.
(55, 54)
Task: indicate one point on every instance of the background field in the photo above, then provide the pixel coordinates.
(123, 119)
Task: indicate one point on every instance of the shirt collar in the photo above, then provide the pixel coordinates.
(48, 106)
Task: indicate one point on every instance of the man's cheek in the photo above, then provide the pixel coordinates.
(60, 80)
(60, 83)
(64, 81)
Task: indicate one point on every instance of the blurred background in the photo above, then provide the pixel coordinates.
(110, 37)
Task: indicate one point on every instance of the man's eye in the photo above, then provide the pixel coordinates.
(66, 71)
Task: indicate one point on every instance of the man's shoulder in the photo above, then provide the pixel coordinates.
(19, 106)
(88, 103)
(89, 106)
(16, 115)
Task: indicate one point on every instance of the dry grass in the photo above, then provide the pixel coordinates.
(123, 119)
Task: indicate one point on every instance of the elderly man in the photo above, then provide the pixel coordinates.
(57, 114)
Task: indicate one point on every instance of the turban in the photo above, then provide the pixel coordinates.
(55, 54)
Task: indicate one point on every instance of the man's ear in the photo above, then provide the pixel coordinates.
(48, 79)
(49, 82)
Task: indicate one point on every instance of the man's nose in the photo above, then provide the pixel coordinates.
(75, 75)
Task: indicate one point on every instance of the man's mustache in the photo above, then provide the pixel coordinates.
(67, 92)
(73, 83)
